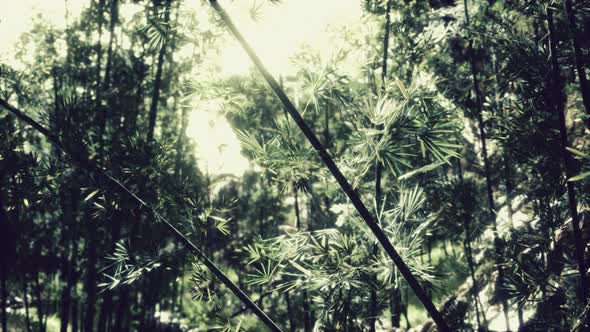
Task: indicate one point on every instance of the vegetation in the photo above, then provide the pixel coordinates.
(432, 173)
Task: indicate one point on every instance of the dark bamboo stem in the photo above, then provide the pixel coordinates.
(4, 276)
(469, 254)
(558, 101)
(578, 58)
(342, 181)
(378, 166)
(158, 81)
(90, 166)
(487, 169)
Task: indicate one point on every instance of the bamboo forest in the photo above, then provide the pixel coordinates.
(294, 165)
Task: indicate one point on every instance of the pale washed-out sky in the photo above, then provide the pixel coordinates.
(276, 36)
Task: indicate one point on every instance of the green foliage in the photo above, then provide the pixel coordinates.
(283, 231)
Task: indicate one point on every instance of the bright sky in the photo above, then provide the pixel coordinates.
(281, 29)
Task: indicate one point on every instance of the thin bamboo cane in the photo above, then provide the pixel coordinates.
(342, 181)
(90, 166)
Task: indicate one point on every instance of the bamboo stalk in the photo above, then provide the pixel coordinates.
(479, 101)
(88, 165)
(558, 102)
(342, 181)
(578, 58)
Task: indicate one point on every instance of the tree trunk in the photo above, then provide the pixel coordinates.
(307, 317)
(40, 318)
(100, 9)
(106, 307)
(297, 216)
(307, 326)
(327, 144)
(91, 273)
(6, 248)
(558, 100)
(490, 193)
(22, 253)
(395, 306)
(104, 316)
(348, 325)
(292, 325)
(103, 116)
(181, 299)
(405, 308)
(26, 301)
(130, 122)
(91, 250)
(74, 297)
(122, 309)
(133, 300)
(67, 223)
(374, 312)
(345, 310)
(158, 81)
(143, 305)
(75, 314)
(509, 187)
(507, 151)
(578, 57)
(3, 276)
(69, 202)
(469, 255)
(98, 91)
(90, 286)
(114, 18)
(327, 125)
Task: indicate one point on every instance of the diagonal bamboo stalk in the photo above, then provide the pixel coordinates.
(342, 181)
(88, 165)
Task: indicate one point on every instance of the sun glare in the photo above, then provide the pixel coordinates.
(217, 145)
(277, 31)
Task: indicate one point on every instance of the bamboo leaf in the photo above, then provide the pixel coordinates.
(402, 89)
(92, 194)
(420, 170)
(580, 177)
(300, 268)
